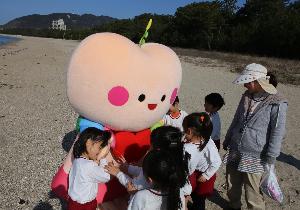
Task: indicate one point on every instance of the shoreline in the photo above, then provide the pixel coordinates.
(11, 39)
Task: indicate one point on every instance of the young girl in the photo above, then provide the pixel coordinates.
(165, 138)
(160, 171)
(205, 159)
(175, 115)
(169, 138)
(89, 150)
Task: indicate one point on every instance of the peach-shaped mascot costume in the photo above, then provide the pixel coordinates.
(122, 86)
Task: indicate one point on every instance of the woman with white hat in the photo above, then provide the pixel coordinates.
(254, 136)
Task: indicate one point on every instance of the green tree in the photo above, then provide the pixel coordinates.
(198, 24)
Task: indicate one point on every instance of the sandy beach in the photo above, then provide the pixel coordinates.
(37, 121)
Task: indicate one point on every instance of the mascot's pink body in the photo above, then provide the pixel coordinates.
(127, 88)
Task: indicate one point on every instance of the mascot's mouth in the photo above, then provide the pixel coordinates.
(152, 106)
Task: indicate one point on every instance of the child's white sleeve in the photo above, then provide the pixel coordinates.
(98, 174)
(184, 114)
(213, 160)
(187, 188)
(134, 170)
(123, 178)
(140, 182)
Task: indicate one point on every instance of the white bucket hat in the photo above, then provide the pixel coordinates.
(257, 72)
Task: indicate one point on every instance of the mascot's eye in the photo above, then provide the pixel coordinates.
(142, 97)
(163, 98)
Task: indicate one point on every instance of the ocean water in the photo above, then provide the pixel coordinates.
(7, 39)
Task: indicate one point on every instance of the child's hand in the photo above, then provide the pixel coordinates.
(131, 188)
(189, 199)
(123, 164)
(202, 179)
(112, 169)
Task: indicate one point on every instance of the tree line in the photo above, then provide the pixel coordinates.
(264, 27)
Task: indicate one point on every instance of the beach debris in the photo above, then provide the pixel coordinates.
(22, 201)
(4, 85)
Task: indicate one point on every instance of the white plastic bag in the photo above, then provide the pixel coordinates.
(269, 184)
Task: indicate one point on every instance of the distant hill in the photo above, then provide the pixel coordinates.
(72, 21)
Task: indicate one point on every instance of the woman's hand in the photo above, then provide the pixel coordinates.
(112, 169)
(201, 179)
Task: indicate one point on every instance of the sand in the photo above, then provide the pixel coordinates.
(37, 121)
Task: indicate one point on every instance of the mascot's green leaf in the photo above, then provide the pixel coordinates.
(144, 37)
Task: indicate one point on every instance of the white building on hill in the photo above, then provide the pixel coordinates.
(59, 24)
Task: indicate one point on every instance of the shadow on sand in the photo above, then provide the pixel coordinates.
(217, 199)
(289, 159)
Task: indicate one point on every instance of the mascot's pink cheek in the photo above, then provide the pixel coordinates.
(173, 96)
(118, 96)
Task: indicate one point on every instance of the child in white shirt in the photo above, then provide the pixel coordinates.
(205, 159)
(175, 115)
(167, 138)
(160, 171)
(89, 150)
(213, 103)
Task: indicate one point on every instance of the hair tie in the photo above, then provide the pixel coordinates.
(202, 118)
(173, 144)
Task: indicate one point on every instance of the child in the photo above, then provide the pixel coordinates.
(213, 103)
(205, 159)
(169, 138)
(175, 116)
(91, 148)
(166, 138)
(160, 171)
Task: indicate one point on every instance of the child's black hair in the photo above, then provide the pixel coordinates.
(169, 138)
(161, 168)
(273, 79)
(215, 99)
(93, 134)
(176, 101)
(200, 124)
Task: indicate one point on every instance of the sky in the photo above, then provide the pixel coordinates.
(11, 9)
